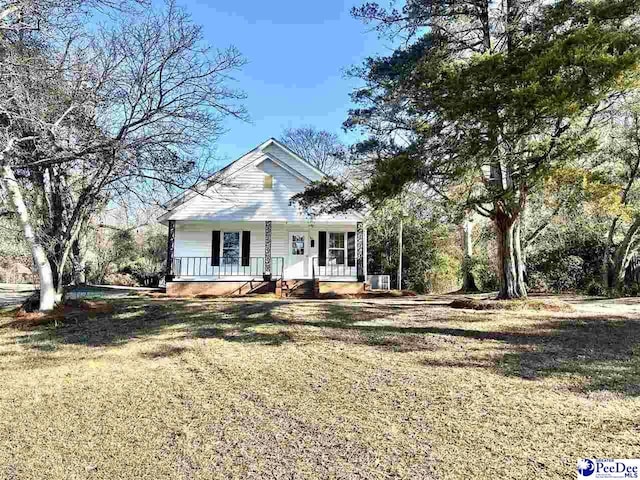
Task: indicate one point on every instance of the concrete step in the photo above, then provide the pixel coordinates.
(302, 288)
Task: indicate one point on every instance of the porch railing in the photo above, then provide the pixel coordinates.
(229, 267)
(332, 269)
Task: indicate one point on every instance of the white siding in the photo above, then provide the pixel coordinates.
(280, 241)
(242, 195)
(302, 167)
(280, 235)
(194, 239)
(193, 244)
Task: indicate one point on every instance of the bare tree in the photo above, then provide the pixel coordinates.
(43, 15)
(137, 107)
(320, 148)
(622, 164)
(30, 31)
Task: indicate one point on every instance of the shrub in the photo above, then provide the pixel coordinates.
(537, 282)
(441, 276)
(596, 289)
(567, 256)
(484, 274)
(632, 290)
(123, 279)
(146, 271)
(573, 274)
(556, 272)
(431, 254)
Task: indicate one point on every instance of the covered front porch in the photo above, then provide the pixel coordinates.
(252, 251)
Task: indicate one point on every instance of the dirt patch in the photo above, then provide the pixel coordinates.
(70, 309)
(208, 296)
(369, 295)
(154, 295)
(164, 351)
(528, 304)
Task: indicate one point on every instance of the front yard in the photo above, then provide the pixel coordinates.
(406, 388)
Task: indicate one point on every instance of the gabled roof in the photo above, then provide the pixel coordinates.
(273, 141)
(283, 165)
(189, 194)
(223, 202)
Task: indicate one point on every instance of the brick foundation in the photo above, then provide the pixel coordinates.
(342, 288)
(185, 289)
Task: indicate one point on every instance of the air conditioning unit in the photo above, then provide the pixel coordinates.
(379, 282)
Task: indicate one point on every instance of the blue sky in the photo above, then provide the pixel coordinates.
(297, 52)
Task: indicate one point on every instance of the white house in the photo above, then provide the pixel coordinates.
(245, 234)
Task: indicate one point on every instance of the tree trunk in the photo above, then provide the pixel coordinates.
(617, 285)
(521, 266)
(400, 251)
(622, 257)
(510, 258)
(66, 251)
(47, 289)
(56, 272)
(607, 268)
(78, 261)
(621, 261)
(468, 282)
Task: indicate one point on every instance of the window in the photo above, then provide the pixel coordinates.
(297, 244)
(231, 248)
(336, 248)
(268, 182)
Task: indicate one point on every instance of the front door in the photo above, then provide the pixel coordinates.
(297, 255)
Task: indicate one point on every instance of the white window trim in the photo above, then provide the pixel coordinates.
(306, 242)
(344, 249)
(239, 232)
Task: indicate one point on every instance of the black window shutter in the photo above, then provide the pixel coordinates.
(351, 249)
(215, 248)
(322, 249)
(246, 245)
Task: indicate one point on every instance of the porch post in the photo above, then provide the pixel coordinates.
(171, 241)
(360, 248)
(267, 250)
(365, 255)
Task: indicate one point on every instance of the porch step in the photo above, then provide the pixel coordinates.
(303, 288)
(250, 287)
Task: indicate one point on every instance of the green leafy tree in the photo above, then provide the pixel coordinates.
(566, 225)
(431, 257)
(620, 166)
(483, 98)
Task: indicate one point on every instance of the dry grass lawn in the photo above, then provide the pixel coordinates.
(403, 388)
